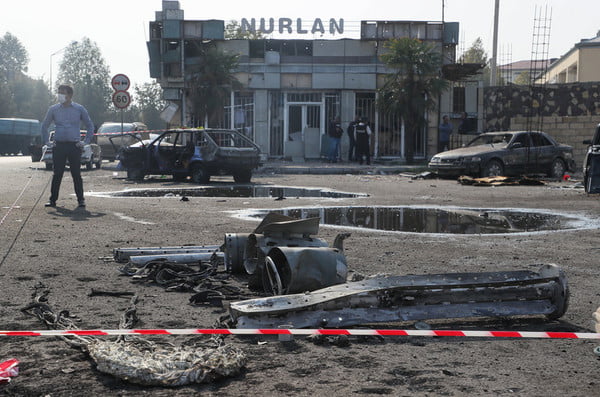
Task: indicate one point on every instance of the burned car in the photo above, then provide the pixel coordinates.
(193, 152)
(591, 164)
(506, 153)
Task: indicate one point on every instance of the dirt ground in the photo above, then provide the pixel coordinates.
(63, 249)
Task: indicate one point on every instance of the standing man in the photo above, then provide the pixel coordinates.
(67, 117)
(444, 131)
(335, 136)
(352, 147)
(363, 132)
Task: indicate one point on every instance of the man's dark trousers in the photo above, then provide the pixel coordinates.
(60, 153)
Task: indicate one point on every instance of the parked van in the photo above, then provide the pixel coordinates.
(18, 135)
(113, 136)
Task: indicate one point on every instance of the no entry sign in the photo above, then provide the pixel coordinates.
(120, 82)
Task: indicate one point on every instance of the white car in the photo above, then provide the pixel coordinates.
(90, 155)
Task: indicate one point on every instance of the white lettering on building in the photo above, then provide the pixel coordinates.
(286, 25)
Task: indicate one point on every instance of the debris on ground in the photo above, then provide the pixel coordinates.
(424, 175)
(499, 181)
(596, 317)
(8, 370)
(280, 256)
(141, 361)
(412, 297)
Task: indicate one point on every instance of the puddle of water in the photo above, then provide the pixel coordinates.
(437, 220)
(234, 191)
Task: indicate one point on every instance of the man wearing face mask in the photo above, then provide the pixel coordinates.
(67, 117)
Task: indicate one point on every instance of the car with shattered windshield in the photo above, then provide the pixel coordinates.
(192, 152)
(506, 153)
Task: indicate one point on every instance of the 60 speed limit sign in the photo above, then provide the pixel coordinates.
(121, 99)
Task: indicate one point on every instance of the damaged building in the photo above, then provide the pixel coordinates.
(292, 88)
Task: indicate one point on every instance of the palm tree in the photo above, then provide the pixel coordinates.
(211, 84)
(413, 88)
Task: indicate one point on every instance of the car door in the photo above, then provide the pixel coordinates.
(518, 156)
(544, 152)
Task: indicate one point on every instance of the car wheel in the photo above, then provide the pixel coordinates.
(558, 169)
(200, 175)
(135, 174)
(242, 176)
(493, 168)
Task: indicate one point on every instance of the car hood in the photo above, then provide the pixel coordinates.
(471, 151)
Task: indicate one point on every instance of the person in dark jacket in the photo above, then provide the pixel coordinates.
(352, 138)
(362, 132)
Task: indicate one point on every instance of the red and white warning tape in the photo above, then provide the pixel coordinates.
(357, 332)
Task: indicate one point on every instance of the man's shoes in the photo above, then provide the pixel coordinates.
(50, 204)
(81, 204)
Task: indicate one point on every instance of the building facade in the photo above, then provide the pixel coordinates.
(581, 64)
(292, 88)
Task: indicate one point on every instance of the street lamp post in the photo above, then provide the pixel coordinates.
(51, 55)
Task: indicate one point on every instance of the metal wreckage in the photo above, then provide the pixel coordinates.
(305, 281)
(303, 284)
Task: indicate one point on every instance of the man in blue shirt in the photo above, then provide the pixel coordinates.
(67, 117)
(444, 132)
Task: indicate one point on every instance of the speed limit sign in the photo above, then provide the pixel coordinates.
(121, 99)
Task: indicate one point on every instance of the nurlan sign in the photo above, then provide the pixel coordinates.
(287, 25)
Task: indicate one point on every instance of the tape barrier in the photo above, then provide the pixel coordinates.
(131, 132)
(277, 331)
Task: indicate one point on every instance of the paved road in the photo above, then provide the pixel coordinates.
(61, 250)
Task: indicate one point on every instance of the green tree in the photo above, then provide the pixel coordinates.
(211, 83)
(20, 95)
(233, 30)
(524, 78)
(414, 86)
(147, 104)
(30, 98)
(84, 68)
(477, 54)
(13, 58)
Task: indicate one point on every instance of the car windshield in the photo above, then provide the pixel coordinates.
(491, 139)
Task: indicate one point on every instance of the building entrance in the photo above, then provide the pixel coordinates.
(304, 127)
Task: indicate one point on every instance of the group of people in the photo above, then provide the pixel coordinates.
(359, 134)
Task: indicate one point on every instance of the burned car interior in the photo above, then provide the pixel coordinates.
(198, 153)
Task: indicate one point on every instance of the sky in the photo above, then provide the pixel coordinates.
(120, 27)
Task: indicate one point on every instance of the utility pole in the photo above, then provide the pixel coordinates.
(493, 65)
